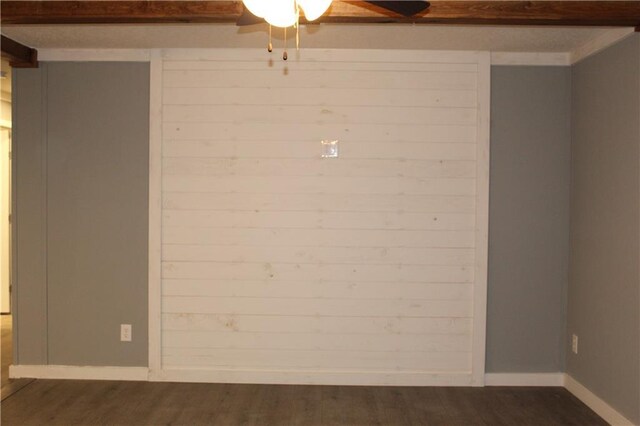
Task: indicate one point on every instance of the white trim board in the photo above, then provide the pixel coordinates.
(591, 400)
(482, 221)
(146, 55)
(95, 55)
(328, 377)
(78, 373)
(531, 58)
(498, 58)
(524, 379)
(155, 212)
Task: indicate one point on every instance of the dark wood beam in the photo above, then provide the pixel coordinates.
(19, 55)
(561, 13)
(118, 12)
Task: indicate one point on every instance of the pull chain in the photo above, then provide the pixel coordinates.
(297, 26)
(284, 55)
(270, 45)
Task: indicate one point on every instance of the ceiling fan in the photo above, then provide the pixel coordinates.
(405, 8)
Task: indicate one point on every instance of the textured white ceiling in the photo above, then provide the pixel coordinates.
(384, 36)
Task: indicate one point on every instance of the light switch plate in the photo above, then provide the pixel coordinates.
(329, 149)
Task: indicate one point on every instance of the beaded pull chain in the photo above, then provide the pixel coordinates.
(284, 55)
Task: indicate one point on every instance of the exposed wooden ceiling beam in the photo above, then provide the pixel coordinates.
(19, 55)
(562, 13)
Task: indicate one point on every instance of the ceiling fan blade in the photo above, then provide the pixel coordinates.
(403, 7)
(248, 18)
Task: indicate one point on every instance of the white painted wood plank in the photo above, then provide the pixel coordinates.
(319, 202)
(302, 289)
(318, 237)
(323, 220)
(335, 79)
(482, 220)
(316, 254)
(319, 96)
(300, 133)
(393, 150)
(193, 166)
(302, 114)
(311, 324)
(303, 341)
(317, 272)
(155, 212)
(318, 360)
(320, 307)
(325, 185)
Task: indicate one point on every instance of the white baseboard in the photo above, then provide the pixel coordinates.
(78, 373)
(524, 379)
(329, 377)
(591, 400)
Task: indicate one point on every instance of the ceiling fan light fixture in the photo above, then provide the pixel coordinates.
(313, 9)
(258, 7)
(281, 13)
(285, 14)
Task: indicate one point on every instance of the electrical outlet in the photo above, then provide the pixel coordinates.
(574, 344)
(125, 332)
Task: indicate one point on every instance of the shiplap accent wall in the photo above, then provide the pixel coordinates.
(282, 266)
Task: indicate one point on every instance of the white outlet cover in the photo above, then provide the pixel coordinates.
(125, 332)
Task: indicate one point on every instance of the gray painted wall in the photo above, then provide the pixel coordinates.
(604, 284)
(29, 220)
(528, 218)
(88, 194)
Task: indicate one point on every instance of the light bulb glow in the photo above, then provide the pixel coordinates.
(257, 7)
(313, 9)
(281, 13)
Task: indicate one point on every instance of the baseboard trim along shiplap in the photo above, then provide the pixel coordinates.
(591, 400)
(315, 377)
(78, 373)
(524, 379)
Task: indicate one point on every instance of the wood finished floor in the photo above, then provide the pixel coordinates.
(71, 402)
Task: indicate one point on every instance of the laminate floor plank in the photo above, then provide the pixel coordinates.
(424, 406)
